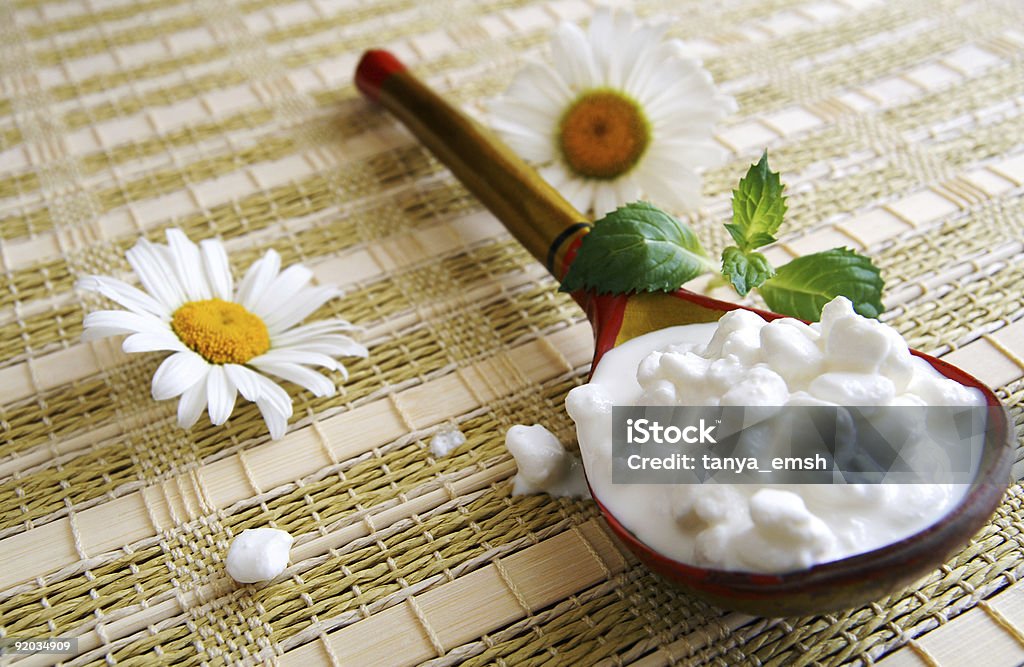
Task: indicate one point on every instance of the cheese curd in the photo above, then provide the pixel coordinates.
(258, 554)
(846, 359)
(544, 464)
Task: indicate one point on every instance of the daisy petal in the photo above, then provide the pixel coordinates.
(573, 58)
(302, 376)
(282, 290)
(637, 64)
(257, 278)
(320, 328)
(331, 350)
(242, 378)
(335, 324)
(220, 395)
(277, 423)
(128, 296)
(272, 392)
(526, 141)
(334, 345)
(123, 322)
(274, 405)
(628, 43)
(680, 191)
(703, 153)
(577, 193)
(600, 34)
(626, 190)
(605, 199)
(294, 356)
(542, 87)
(299, 308)
(555, 175)
(218, 272)
(191, 405)
(531, 116)
(152, 342)
(155, 274)
(96, 333)
(178, 373)
(188, 265)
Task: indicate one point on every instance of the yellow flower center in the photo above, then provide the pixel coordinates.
(222, 332)
(603, 134)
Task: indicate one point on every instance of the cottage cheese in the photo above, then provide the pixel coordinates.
(258, 554)
(845, 359)
(544, 464)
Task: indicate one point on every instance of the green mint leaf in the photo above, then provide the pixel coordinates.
(757, 206)
(637, 247)
(745, 270)
(802, 287)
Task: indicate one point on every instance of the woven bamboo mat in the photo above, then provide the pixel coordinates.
(897, 126)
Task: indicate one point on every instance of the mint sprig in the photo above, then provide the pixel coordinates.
(745, 270)
(757, 207)
(803, 286)
(757, 210)
(637, 247)
(640, 248)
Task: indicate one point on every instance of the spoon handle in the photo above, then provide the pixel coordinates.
(545, 223)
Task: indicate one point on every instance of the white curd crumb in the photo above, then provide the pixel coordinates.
(544, 464)
(784, 534)
(444, 442)
(258, 554)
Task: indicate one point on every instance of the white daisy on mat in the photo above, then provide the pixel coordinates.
(625, 113)
(224, 341)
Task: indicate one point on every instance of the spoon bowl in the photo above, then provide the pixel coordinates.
(552, 230)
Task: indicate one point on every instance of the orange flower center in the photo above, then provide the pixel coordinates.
(222, 332)
(603, 134)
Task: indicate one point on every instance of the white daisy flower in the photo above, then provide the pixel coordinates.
(225, 341)
(625, 113)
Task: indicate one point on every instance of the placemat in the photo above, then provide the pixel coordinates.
(897, 126)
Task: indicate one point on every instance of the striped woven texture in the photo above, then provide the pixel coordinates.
(897, 126)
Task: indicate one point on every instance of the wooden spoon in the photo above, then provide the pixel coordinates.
(551, 229)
